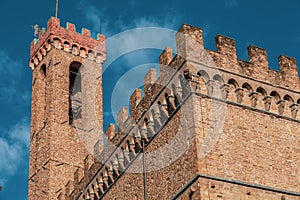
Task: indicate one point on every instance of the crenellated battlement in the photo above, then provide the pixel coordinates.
(226, 58)
(68, 40)
(193, 71)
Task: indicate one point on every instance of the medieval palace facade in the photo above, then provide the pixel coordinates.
(211, 126)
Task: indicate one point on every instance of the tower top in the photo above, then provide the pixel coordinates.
(65, 38)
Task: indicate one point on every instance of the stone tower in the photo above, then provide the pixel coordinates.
(61, 59)
(211, 126)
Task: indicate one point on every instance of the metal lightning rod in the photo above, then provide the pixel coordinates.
(56, 10)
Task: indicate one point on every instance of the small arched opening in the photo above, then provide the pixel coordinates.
(75, 101)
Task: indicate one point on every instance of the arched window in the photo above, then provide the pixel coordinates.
(57, 43)
(43, 71)
(75, 102)
(275, 99)
(262, 102)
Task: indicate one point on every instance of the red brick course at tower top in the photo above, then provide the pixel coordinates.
(68, 39)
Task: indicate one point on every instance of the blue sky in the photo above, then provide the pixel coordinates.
(273, 25)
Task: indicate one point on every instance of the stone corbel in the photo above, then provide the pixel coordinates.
(210, 87)
(239, 94)
(225, 90)
(253, 98)
(267, 101)
(294, 110)
(280, 104)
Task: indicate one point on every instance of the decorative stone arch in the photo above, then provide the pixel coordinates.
(290, 109)
(91, 54)
(143, 130)
(75, 49)
(184, 85)
(170, 103)
(261, 91)
(100, 183)
(177, 97)
(57, 43)
(67, 46)
(83, 52)
(40, 54)
(250, 98)
(115, 163)
(99, 58)
(43, 51)
(120, 158)
(163, 109)
(149, 125)
(203, 74)
(47, 45)
(289, 100)
(155, 112)
(218, 86)
(262, 101)
(277, 106)
(104, 179)
(203, 79)
(247, 87)
(218, 79)
(275, 95)
(36, 59)
(232, 87)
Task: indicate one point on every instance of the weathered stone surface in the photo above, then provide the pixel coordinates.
(208, 114)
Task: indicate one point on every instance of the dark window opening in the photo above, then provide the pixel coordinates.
(43, 71)
(75, 102)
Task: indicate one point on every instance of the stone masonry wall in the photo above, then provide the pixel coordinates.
(57, 145)
(252, 147)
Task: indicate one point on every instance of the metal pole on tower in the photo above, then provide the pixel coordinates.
(56, 10)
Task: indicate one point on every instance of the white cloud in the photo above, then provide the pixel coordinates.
(15, 96)
(9, 155)
(127, 83)
(92, 15)
(20, 132)
(11, 72)
(137, 35)
(13, 149)
(96, 17)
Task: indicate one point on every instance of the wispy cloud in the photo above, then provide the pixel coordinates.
(93, 15)
(142, 33)
(229, 4)
(11, 82)
(13, 149)
(14, 141)
(10, 75)
(97, 18)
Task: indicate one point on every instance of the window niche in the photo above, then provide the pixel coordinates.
(75, 96)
